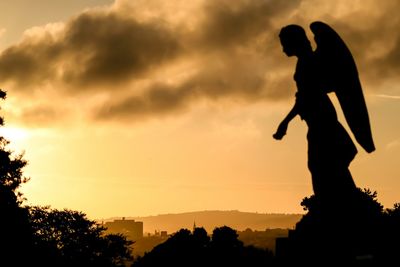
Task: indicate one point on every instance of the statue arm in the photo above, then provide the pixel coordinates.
(282, 128)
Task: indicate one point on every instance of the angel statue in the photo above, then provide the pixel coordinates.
(330, 68)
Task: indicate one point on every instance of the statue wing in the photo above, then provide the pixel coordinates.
(341, 76)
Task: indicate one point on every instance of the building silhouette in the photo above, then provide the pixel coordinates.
(132, 229)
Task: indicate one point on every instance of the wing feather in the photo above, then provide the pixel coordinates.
(341, 77)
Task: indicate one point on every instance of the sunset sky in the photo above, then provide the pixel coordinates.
(143, 107)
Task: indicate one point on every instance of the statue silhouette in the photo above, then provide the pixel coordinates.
(330, 68)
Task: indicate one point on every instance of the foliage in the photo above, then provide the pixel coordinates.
(225, 237)
(11, 175)
(14, 226)
(367, 229)
(262, 239)
(394, 212)
(196, 248)
(68, 238)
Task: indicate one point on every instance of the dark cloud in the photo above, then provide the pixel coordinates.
(231, 51)
(94, 48)
(41, 115)
(392, 58)
(115, 49)
(236, 23)
(232, 68)
(30, 62)
(38, 115)
(372, 34)
(214, 82)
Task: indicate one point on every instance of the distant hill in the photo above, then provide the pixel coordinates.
(210, 219)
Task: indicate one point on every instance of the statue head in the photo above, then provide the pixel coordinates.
(294, 40)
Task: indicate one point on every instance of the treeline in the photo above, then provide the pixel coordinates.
(262, 239)
(259, 239)
(197, 248)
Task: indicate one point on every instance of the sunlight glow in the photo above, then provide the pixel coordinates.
(13, 133)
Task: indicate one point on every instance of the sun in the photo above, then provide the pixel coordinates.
(13, 133)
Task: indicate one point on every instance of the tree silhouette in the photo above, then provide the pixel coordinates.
(68, 238)
(389, 245)
(226, 247)
(360, 232)
(15, 233)
(226, 238)
(198, 249)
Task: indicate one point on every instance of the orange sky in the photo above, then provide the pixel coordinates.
(132, 108)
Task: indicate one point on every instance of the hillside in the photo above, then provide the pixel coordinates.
(211, 219)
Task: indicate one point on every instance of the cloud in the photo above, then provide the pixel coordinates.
(94, 48)
(392, 145)
(41, 115)
(137, 59)
(396, 97)
(115, 49)
(2, 32)
(230, 39)
(370, 29)
(211, 83)
(228, 23)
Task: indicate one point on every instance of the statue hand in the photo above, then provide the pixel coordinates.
(281, 131)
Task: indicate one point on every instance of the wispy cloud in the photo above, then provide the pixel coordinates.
(388, 96)
(393, 144)
(2, 32)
